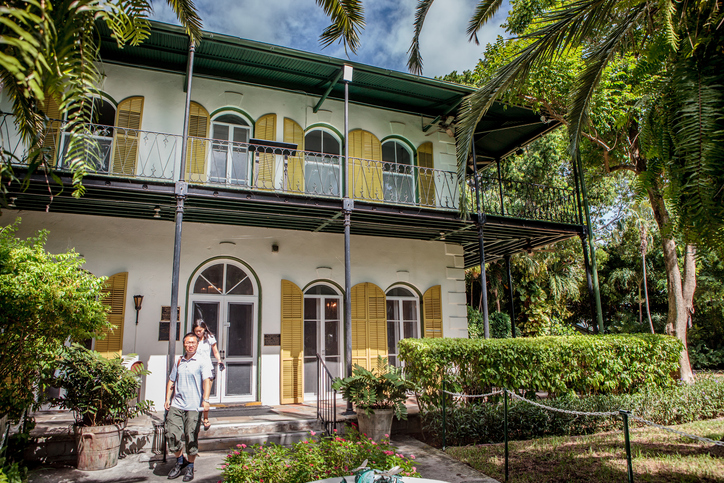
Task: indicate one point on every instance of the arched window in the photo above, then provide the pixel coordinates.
(322, 159)
(398, 181)
(103, 117)
(403, 319)
(229, 161)
(224, 295)
(322, 333)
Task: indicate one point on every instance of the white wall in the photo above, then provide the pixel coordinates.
(144, 249)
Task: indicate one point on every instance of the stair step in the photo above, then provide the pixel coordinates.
(230, 442)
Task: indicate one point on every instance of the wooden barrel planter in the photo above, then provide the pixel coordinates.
(98, 446)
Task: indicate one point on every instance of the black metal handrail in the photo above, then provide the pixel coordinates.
(326, 397)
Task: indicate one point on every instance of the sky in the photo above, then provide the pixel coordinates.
(384, 42)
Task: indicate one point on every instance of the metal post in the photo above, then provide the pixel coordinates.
(181, 190)
(444, 413)
(589, 282)
(594, 270)
(510, 294)
(500, 188)
(505, 429)
(481, 243)
(348, 205)
(627, 440)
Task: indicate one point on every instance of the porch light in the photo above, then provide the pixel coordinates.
(137, 302)
(347, 73)
(156, 214)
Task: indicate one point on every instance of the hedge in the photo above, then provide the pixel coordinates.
(483, 423)
(607, 364)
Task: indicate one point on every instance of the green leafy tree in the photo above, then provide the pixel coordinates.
(45, 299)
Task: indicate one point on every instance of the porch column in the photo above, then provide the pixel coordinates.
(181, 190)
(348, 206)
(481, 245)
(589, 282)
(510, 294)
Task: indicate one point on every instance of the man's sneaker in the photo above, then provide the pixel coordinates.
(176, 470)
(188, 473)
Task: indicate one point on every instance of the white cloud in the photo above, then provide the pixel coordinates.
(384, 42)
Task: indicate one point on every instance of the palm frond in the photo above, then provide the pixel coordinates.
(348, 21)
(188, 16)
(414, 61)
(485, 10)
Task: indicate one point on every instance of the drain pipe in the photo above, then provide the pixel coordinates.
(181, 191)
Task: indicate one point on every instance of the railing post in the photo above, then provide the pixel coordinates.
(624, 415)
(505, 429)
(444, 413)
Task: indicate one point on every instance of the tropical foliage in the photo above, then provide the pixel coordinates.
(45, 299)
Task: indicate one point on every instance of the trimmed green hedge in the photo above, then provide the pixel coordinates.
(483, 423)
(607, 364)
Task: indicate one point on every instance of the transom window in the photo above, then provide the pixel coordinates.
(224, 279)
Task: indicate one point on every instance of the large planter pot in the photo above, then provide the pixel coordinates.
(376, 425)
(98, 446)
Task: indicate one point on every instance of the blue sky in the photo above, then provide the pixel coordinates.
(384, 42)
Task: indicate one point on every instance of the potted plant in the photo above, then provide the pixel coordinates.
(377, 396)
(98, 391)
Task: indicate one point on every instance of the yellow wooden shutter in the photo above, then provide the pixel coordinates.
(52, 132)
(115, 290)
(432, 312)
(128, 117)
(293, 133)
(369, 324)
(266, 128)
(196, 151)
(426, 180)
(292, 344)
(365, 166)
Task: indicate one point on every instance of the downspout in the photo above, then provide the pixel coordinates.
(181, 190)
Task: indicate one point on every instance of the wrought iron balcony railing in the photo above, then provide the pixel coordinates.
(128, 153)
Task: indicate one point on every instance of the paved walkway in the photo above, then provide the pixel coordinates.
(135, 468)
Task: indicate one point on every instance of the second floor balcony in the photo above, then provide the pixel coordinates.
(238, 163)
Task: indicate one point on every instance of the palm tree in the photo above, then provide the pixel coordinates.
(49, 60)
(674, 140)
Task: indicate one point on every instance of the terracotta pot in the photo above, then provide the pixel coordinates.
(376, 425)
(98, 446)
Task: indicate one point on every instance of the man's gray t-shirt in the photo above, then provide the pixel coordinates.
(188, 376)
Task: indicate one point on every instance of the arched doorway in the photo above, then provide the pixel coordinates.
(322, 334)
(224, 293)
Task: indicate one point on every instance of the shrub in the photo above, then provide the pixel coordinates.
(312, 460)
(498, 323)
(607, 364)
(483, 423)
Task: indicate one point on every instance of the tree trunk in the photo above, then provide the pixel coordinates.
(678, 317)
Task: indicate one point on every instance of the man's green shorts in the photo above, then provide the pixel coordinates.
(183, 426)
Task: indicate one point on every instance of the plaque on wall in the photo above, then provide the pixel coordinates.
(165, 327)
(166, 313)
(273, 339)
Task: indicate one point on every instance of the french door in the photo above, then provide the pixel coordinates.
(322, 335)
(229, 153)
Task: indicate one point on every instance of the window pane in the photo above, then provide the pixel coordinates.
(209, 312)
(210, 280)
(310, 309)
(313, 141)
(240, 340)
(331, 339)
(388, 152)
(310, 338)
(331, 145)
(409, 310)
(392, 310)
(237, 281)
(310, 375)
(238, 378)
(220, 132)
(402, 154)
(331, 309)
(104, 112)
(392, 337)
(410, 330)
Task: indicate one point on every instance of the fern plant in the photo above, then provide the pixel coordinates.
(385, 387)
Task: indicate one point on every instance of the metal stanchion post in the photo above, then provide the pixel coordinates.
(444, 413)
(624, 415)
(505, 429)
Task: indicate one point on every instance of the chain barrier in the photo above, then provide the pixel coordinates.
(680, 433)
(457, 394)
(564, 411)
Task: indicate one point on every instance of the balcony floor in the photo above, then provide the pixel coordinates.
(134, 198)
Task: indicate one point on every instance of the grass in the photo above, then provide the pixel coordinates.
(657, 456)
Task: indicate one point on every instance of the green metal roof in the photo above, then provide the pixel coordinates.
(249, 62)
